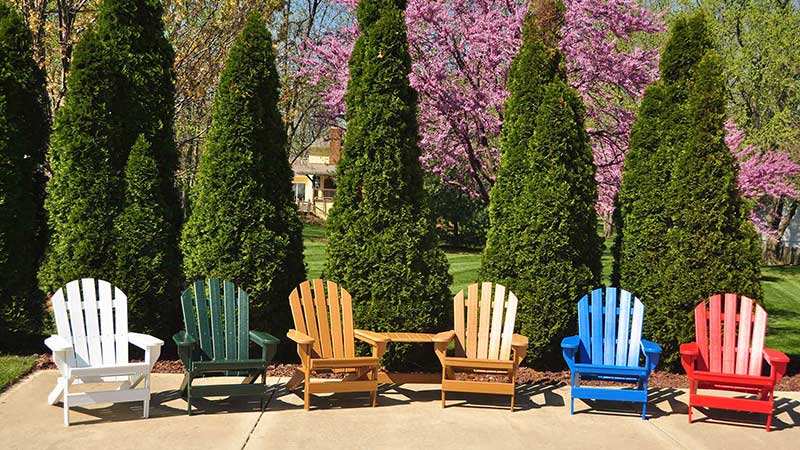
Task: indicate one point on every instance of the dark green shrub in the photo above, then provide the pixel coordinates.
(461, 220)
(24, 129)
(383, 246)
(543, 242)
(244, 224)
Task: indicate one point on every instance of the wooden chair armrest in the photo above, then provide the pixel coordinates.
(689, 354)
(444, 337)
(57, 343)
(143, 341)
(184, 339)
(774, 357)
(650, 348)
(263, 339)
(570, 343)
(518, 340)
(370, 337)
(300, 338)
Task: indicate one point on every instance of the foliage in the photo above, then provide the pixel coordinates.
(383, 246)
(12, 368)
(24, 129)
(244, 225)
(461, 51)
(462, 220)
(543, 243)
(121, 87)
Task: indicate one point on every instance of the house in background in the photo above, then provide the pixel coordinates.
(314, 175)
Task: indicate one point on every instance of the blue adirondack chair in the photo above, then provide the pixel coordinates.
(609, 347)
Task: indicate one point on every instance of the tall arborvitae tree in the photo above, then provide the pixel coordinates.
(543, 242)
(244, 224)
(713, 247)
(683, 233)
(121, 86)
(24, 128)
(383, 245)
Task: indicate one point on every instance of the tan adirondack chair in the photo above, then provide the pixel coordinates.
(484, 341)
(323, 331)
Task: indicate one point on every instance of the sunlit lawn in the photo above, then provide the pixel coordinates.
(12, 367)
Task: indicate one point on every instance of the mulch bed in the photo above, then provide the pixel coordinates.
(658, 379)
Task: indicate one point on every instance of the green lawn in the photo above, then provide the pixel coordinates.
(781, 286)
(13, 367)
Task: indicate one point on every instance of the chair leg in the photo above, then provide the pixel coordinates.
(571, 405)
(512, 401)
(307, 390)
(374, 394)
(66, 402)
(444, 393)
(644, 411)
(146, 405)
(189, 395)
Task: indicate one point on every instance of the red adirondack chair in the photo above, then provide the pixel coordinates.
(725, 359)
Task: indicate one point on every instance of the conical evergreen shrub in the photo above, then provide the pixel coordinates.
(543, 242)
(383, 246)
(244, 224)
(121, 86)
(24, 129)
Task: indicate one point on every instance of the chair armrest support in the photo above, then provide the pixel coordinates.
(519, 344)
(569, 347)
(263, 339)
(444, 337)
(300, 338)
(370, 337)
(652, 353)
(777, 362)
(184, 339)
(689, 354)
(57, 343)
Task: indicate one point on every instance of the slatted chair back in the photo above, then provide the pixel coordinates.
(216, 313)
(93, 316)
(610, 324)
(328, 318)
(725, 347)
(484, 323)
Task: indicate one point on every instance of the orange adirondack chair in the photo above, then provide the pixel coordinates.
(326, 342)
(724, 359)
(487, 344)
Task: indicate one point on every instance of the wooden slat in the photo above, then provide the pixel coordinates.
(229, 289)
(120, 303)
(497, 321)
(480, 363)
(458, 324)
(202, 317)
(337, 336)
(757, 348)
(244, 324)
(217, 333)
(343, 363)
(701, 334)
(347, 323)
(610, 332)
(729, 338)
(597, 326)
(480, 387)
(715, 333)
(75, 307)
(107, 323)
(323, 323)
(584, 330)
(333, 386)
(508, 327)
(485, 315)
(189, 314)
(472, 321)
(297, 311)
(634, 351)
(623, 332)
(92, 326)
(62, 322)
(310, 314)
(743, 345)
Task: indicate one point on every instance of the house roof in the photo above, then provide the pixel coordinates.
(303, 167)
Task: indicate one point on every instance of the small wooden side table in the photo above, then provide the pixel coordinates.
(400, 377)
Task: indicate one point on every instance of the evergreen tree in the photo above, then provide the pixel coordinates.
(24, 128)
(144, 265)
(667, 223)
(543, 242)
(244, 224)
(383, 246)
(121, 86)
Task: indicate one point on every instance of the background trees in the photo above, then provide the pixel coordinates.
(244, 225)
(120, 87)
(383, 247)
(24, 130)
(543, 243)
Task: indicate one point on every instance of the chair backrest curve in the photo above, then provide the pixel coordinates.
(325, 316)
(484, 324)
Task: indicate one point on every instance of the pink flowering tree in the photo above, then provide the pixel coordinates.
(766, 178)
(461, 52)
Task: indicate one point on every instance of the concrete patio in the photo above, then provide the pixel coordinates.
(408, 416)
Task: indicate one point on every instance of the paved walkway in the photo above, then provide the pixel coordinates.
(407, 417)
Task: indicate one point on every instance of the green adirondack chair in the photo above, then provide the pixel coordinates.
(216, 342)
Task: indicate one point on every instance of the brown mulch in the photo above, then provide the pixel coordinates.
(658, 379)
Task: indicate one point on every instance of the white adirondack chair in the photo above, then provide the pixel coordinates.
(92, 346)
